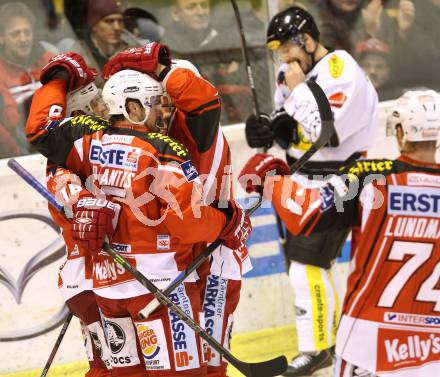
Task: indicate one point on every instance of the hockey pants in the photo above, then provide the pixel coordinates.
(162, 345)
(83, 306)
(317, 305)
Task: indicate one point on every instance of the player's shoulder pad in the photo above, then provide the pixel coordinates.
(91, 123)
(168, 149)
(359, 169)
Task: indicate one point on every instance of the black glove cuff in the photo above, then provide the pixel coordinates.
(285, 129)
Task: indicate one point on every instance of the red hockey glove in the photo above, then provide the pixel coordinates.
(93, 219)
(79, 73)
(143, 59)
(252, 176)
(238, 226)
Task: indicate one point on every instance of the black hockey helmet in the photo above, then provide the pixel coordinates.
(288, 23)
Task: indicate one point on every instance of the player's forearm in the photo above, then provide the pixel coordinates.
(48, 105)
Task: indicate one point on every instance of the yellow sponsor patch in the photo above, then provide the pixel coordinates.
(273, 45)
(336, 66)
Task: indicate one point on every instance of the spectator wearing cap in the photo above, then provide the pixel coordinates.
(106, 25)
(374, 58)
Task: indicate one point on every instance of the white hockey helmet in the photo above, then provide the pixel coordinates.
(130, 84)
(418, 112)
(79, 99)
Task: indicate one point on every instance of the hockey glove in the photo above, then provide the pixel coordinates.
(258, 131)
(143, 59)
(285, 129)
(253, 174)
(78, 71)
(93, 219)
(238, 226)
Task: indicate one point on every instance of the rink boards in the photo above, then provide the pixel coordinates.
(31, 252)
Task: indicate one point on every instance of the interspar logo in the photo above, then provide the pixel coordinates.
(412, 319)
(399, 349)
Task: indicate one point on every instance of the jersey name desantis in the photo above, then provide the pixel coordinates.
(419, 201)
(114, 155)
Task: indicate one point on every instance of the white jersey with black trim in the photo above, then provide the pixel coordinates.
(352, 98)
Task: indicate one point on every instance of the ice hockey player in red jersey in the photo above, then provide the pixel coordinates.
(195, 123)
(391, 313)
(162, 212)
(75, 275)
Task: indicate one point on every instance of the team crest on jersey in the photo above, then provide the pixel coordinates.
(163, 242)
(189, 170)
(336, 66)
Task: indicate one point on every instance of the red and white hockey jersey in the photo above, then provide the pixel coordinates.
(390, 321)
(162, 214)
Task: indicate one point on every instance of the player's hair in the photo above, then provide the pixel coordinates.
(10, 11)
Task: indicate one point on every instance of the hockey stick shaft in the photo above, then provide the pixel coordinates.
(30, 179)
(250, 75)
(56, 345)
(154, 304)
(246, 60)
(267, 368)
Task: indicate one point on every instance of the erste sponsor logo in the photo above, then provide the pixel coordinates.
(114, 155)
(421, 201)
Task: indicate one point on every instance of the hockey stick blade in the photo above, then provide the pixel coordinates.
(264, 369)
(268, 368)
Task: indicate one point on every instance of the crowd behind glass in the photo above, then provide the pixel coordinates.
(395, 41)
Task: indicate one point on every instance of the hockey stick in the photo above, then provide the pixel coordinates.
(267, 368)
(56, 345)
(250, 75)
(327, 131)
(29, 178)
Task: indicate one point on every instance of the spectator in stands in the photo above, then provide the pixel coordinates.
(21, 59)
(338, 21)
(107, 35)
(9, 119)
(417, 46)
(188, 27)
(373, 56)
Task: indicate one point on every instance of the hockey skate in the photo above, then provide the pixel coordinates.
(307, 363)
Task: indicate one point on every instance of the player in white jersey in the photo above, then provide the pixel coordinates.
(294, 38)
